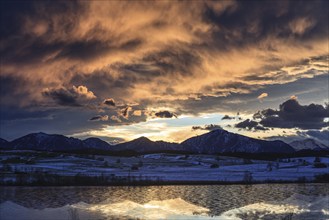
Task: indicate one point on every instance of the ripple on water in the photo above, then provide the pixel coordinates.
(225, 201)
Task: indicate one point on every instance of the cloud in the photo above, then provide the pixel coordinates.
(250, 125)
(62, 96)
(100, 118)
(322, 135)
(209, 127)
(109, 102)
(300, 25)
(319, 135)
(115, 118)
(262, 96)
(201, 56)
(69, 97)
(293, 115)
(137, 113)
(125, 112)
(227, 117)
(165, 114)
(83, 91)
(73, 42)
(286, 138)
(293, 97)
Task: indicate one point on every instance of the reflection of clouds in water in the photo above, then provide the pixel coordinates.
(295, 207)
(166, 209)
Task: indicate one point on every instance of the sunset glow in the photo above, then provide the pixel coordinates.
(164, 69)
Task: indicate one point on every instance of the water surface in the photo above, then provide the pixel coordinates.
(263, 201)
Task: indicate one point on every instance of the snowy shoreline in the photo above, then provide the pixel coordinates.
(56, 169)
(168, 183)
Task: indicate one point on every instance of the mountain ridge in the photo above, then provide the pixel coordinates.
(47, 142)
(222, 141)
(214, 142)
(309, 144)
(3, 143)
(145, 145)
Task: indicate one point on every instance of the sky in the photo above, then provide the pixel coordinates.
(167, 70)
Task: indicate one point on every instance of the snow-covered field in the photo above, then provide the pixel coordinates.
(159, 167)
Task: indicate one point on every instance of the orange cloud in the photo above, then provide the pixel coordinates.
(161, 53)
(262, 96)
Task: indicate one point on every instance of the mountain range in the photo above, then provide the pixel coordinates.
(222, 141)
(308, 144)
(214, 142)
(145, 145)
(47, 142)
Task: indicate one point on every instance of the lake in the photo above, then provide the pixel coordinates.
(260, 201)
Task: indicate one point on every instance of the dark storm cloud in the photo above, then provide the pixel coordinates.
(165, 114)
(27, 46)
(236, 21)
(193, 53)
(209, 127)
(173, 60)
(84, 50)
(227, 117)
(92, 49)
(250, 125)
(78, 50)
(44, 28)
(264, 113)
(254, 21)
(293, 115)
(101, 80)
(62, 96)
(250, 20)
(309, 89)
(14, 12)
(109, 102)
(69, 97)
(164, 66)
(100, 118)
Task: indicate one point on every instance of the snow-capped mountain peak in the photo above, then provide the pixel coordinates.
(222, 141)
(308, 144)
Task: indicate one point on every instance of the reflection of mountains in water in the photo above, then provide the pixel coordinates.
(295, 207)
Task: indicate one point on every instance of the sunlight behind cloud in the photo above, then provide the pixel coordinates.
(164, 60)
